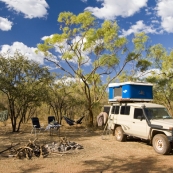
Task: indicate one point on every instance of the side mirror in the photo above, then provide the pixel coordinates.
(141, 117)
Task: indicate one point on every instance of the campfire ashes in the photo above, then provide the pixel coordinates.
(32, 149)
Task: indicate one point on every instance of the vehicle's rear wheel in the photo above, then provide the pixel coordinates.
(119, 134)
(161, 144)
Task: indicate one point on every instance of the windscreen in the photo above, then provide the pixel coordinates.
(157, 113)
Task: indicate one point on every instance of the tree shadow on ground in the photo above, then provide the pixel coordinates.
(35, 168)
(130, 165)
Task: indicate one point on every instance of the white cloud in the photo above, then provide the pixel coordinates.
(112, 8)
(167, 24)
(139, 27)
(147, 73)
(25, 50)
(67, 80)
(155, 21)
(30, 8)
(5, 24)
(149, 11)
(84, 0)
(164, 10)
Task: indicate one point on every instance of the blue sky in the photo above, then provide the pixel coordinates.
(23, 23)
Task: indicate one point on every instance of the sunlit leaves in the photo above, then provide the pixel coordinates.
(85, 20)
(120, 42)
(101, 41)
(44, 47)
(68, 55)
(107, 60)
(157, 51)
(67, 18)
(139, 40)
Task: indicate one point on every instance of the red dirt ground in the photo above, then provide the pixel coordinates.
(98, 155)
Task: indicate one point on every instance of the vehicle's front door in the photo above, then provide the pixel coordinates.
(139, 127)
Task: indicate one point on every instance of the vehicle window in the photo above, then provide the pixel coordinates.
(125, 110)
(138, 113)
(157, 113)
(106, 109)
(115, 110)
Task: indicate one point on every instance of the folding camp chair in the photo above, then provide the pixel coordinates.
(53, 125)
(36, 125)
(51, 119)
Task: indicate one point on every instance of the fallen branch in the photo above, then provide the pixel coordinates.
(9, 148)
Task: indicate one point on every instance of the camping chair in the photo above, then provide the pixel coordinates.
(53, 125)
(51, 119)
(36, 125)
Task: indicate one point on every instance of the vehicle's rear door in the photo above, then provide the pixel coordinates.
(124, 118)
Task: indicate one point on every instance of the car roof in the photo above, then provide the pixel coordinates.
(142, 104)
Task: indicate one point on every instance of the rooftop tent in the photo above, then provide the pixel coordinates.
(132, 91)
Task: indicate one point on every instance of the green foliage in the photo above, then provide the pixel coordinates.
(106, 60)
(139, 40)
(131, 56)
(163, 77)
(143, 64)
(24, 83)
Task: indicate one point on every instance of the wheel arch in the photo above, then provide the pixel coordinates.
(155, 132)
(115, 126)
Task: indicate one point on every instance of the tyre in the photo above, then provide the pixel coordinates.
(161, 144)
(119, 134)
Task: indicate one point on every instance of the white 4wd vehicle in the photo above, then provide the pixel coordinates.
(147, 121)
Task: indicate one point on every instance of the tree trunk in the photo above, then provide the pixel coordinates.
(12, 115)
(90, 122)
(13, 123)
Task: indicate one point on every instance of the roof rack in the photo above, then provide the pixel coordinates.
(128, 100)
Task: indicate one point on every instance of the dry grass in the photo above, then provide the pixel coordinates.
(98, 155)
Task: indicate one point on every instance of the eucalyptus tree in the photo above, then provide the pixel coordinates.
(90, 51)
(25, 84)
(162, 75)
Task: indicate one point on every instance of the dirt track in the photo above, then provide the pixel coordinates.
(98, 155)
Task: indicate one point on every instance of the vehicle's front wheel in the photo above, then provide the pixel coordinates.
(161, 144)
(119, 134)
